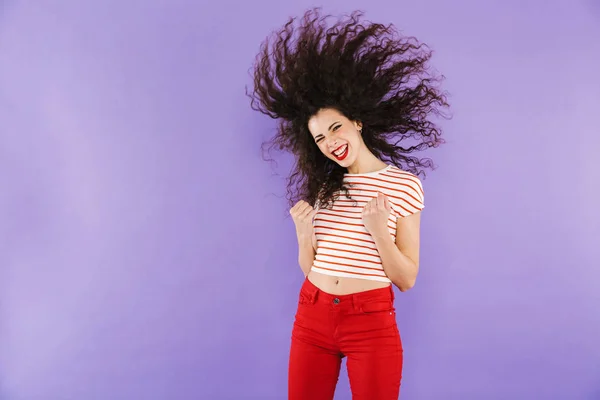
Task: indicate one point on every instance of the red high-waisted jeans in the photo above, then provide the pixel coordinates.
(361, 327)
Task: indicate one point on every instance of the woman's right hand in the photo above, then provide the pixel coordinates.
(303, 214)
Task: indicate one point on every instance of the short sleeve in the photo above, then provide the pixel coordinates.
(410, 197)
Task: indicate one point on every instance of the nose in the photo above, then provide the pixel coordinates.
(331, 143)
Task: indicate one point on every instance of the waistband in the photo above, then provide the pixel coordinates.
(313, 294)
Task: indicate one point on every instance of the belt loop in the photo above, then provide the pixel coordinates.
(314, 295)
(311, 291)
(355, 303)
(392, 292)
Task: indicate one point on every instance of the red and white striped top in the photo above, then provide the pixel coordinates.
(344, 246)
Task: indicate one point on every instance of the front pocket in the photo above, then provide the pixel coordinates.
(305, 298)
(377, 306)
(302, 299)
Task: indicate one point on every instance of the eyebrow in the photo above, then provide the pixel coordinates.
(330, 126)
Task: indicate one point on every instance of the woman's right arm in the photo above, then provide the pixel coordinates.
(303, 214)
(306, 253)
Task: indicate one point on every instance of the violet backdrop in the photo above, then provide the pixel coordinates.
(145, 248)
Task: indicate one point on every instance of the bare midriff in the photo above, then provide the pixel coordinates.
(341, 285)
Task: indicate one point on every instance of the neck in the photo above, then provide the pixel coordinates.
(367, 163)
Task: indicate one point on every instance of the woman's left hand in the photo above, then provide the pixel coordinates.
(375, 215)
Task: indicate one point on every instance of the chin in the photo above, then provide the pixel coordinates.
(344, 163)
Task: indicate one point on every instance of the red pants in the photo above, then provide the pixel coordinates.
(359, 326)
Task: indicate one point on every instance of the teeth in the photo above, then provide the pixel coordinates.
(340, 151)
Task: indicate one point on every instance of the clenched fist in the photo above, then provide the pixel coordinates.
(303, 214)
(375, 215)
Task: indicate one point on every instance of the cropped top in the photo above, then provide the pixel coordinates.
(344, 246)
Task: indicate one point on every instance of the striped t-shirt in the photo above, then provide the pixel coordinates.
(344, 246)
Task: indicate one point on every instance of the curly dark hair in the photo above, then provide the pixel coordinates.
(367, 72)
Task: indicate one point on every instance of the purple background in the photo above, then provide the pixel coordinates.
(145, 249)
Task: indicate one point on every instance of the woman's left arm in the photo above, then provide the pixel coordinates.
(400, 259)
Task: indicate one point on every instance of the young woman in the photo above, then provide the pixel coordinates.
(346, 97)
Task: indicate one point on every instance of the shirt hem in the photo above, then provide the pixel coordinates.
(349, 275)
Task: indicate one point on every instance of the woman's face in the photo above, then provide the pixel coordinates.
(337, 137)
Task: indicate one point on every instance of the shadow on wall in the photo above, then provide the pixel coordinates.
(5, 5)
(3, 393)
(594, 6)
(595, 395)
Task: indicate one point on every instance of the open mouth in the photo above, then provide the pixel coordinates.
(341, 152)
